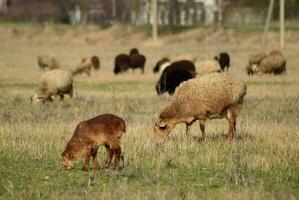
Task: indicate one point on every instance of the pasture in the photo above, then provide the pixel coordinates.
(262, 163)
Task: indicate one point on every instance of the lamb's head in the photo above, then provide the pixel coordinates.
(95, 62)
(68, 160)
(70, 155)
(36, 98)
(162, 129)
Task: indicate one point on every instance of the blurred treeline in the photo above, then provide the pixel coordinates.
(128, 11)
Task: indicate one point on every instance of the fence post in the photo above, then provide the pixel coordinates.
(266, 28)
(155, 20)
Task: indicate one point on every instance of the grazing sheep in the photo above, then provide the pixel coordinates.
(263, 63)
(223, 60)
(183, 57)
(137, 61)
(85, 65)
(47, 61)
(275, 64)
(53, 83)
(134, 51)
(106, 130)
(206, 67)
(161, 65)
(212, 96)
(172, 76)
(121, 63)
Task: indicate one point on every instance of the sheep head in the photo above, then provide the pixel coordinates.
(161, 130)
(95, 62)
(68, 160)
(37, 99)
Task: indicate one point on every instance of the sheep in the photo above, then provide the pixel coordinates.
(47, 61)
(106, 130)
(161, 65)
(212, 96)
(137, 61)
(262, 63)
(254, 61)
(53, 83)
(172, 76)
(134, 51)
(121, 63)
(206, 67)
(85, 65)
(183, 57)
(275, 64)
(223, 60)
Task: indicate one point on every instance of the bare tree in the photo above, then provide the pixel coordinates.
(155, 19)
(281, 19)
(269, 16)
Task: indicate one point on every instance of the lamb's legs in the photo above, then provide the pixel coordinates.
(202, 124)
(117, 152)
(188, 125)
(86, 161)
(109, 156)
(94, 158)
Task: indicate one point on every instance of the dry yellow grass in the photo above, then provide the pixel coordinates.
(263, 163)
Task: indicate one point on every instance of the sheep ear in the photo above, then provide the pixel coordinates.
(162, 124)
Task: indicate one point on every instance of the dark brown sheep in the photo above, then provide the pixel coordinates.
(137, 61)
(106, 130)
(121, 63)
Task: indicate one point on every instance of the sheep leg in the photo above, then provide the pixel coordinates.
(94, 158)
(188, 125)
(117, 152)
(71, 91)
(86, 161)
(109, 156)
(61, 96)
(231, 117)
(202, 125)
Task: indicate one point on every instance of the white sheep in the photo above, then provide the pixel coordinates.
(206, 67)
(54, 83)
(47, 61)
(86, 65)
(215, 95)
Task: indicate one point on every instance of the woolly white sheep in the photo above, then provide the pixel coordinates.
(215, 95)
(206, 67)
(85, 66)
(47, 61)
(53, 83)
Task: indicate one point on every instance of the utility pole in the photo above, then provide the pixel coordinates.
(155, 20)
(269, 16)
(220, 14)
(113, 9)
(281, 20)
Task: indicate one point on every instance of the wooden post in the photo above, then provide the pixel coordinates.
(220, 14)
(155, 20)
(268, 20)
(114, 9)
(281, 19)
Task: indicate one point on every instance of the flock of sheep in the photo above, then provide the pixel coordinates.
(200, 91)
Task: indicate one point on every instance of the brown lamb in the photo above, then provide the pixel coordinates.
(106, 130)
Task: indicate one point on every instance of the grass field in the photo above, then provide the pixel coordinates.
(262, 163)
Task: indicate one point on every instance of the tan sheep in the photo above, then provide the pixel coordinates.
(183, 57)
(47, 61)
(215, 95)
(275, 63)
(54, 83)
(206, 67)
(86, 65)
(262, 63)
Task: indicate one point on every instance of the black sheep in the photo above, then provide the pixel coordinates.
(121, 63)
(223, 60)
(134, 51)
(137, 61)
(173, 75)
(157, 67)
